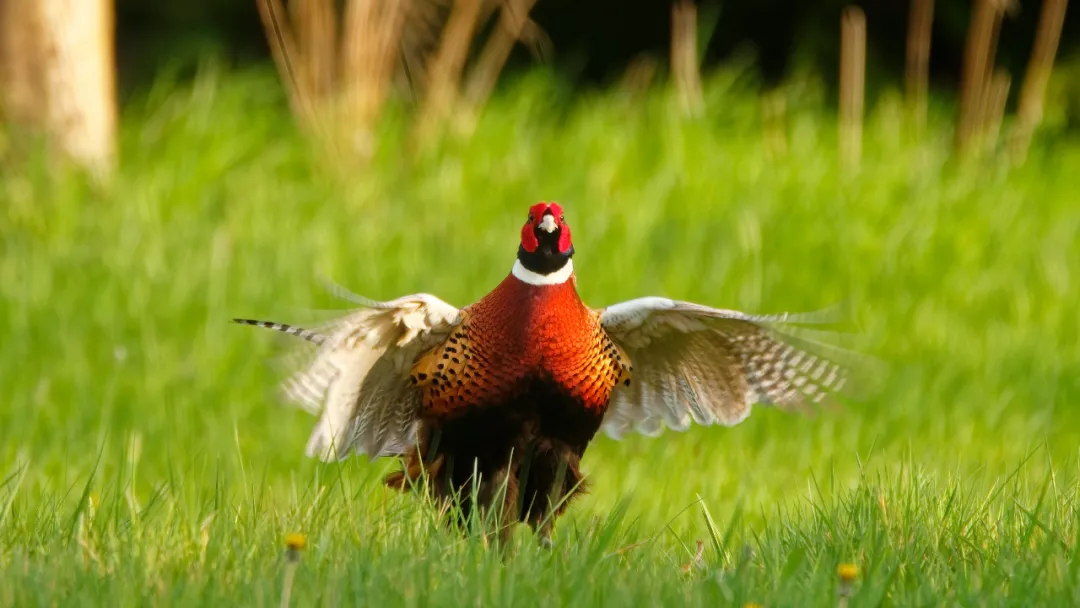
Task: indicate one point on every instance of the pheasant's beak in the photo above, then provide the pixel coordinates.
(548, 224)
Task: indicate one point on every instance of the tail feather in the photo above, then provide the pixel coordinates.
(300, 332)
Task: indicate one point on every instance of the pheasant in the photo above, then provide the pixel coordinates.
(504, 396)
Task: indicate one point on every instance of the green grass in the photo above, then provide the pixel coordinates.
(144, 457)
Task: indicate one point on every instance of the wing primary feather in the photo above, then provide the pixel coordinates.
(710, 365)
(343, 293)
(828, 315)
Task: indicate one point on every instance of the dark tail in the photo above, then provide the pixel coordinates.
(300, 332)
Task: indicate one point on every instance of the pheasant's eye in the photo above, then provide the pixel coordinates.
(530, 217)
(562, 218)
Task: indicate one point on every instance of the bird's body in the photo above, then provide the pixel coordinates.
(502, 397)
(520, 388)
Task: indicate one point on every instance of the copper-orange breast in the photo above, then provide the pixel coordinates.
(515, 336)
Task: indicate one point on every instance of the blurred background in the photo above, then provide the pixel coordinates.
(432, 50)
(166, 166)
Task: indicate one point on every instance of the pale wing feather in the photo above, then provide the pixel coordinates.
(696, 364)
(341, 374)
(679, 379)
(357, 379)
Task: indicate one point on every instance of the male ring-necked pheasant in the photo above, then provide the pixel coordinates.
(515, 386)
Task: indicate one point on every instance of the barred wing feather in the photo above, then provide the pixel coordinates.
(357, 380)
(696, 364)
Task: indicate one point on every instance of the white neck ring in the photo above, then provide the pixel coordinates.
(558, 277)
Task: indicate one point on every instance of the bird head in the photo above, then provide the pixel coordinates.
(545, 239)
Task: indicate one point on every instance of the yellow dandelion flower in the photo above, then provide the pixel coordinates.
(847, 572)
(295, 541)
(751, 605)
(294, 544)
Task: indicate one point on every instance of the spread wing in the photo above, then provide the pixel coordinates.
(695, 364)
(357, 380)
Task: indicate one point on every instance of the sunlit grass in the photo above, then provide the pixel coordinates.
(143, 454)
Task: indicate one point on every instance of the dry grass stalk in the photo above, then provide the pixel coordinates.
(639, 76)
(1004, 7)
(424, 23)
(326, 80)
(284, 51)
(684, 56)
(1041, 64)
(774, 122)
(852, 82)
(514, 23)
(697, 561)
(997, 96)
(920, 26)
(444, 74)
(338, 83)
(373, 33)
(536, 40)
(978, 59)
(316, 24)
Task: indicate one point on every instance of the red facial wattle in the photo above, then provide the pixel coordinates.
(528, 237)
(564, 237)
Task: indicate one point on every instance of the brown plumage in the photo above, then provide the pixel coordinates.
(506, 394)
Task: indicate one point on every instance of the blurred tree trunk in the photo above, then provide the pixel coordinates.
(19, 84)
(57, 74)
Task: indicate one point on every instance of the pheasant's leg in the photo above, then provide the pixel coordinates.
(482, 487)
(543, 530)
(499, 497)
(554, 481)
(421, 460)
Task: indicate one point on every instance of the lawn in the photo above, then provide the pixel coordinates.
(146, 459)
